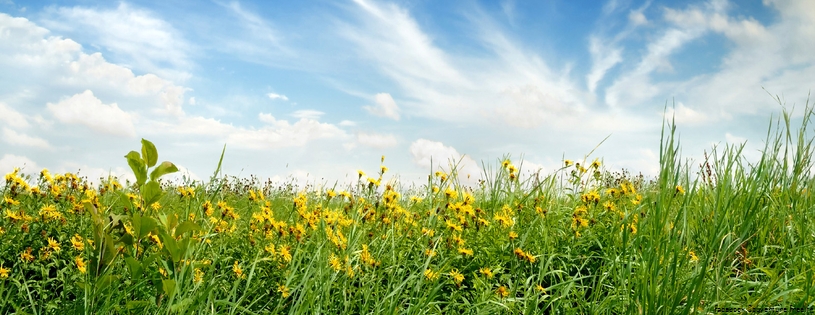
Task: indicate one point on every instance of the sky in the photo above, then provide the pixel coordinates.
(313, 91)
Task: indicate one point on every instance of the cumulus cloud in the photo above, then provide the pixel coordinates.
(385, 107)
(375, 140)
(11, 117)
(19, 139)
(10, 161)
(428, 153)
(85, 109)
(137, 35)
(276, 96)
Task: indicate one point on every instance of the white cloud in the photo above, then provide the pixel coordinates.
(603, 58)
(10, 161)
(688, 116)
(385, 107)
(85, 109)
(276, 96)
(307, 114)
(375, 140)
(19, 139)
(11, 117)
(347, 123)
(427, 153)
(192, 101)
(636, 17)
(144, 40)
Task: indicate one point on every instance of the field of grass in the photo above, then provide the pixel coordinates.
(703, 237)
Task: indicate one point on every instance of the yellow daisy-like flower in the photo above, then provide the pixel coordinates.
(513, 235)
(237, 270)
(568, 163)
(53, 245)
(465, 251)
(680, 190)
(502, 291)
(284, 291)
(457, 277)
(693, 257)
(430, 274)
(487, 272)
(77, 242)
(4, 272)
(80, 264)
(198, 275)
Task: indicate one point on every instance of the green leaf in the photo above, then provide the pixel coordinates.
(169, 287)
(135, 268)
(149, 152)
(137, 165)
(163, 169)
(186, 227)
(151, 192)
(104, 282)
(217, 170)
(146, 225)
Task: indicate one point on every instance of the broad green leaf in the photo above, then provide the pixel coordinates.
(147, 225)
(170, 246)
(185, 227)
(151, 192)
(135, 268)
(137, 165)
(169, 287)
(163, 169)
(149, 152)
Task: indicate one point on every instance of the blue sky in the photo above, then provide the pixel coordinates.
(315, 90)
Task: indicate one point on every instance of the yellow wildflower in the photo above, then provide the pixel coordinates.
(486, 271)
(502, 291)
(693, 257)
(465, 251)
(4, 272)
(284, 291)
(237, 270)
(53, 245)
(457, 277)
(77, 242)
(679, 190)
(568, 163)
(198, 275)
(80, 264)
(430, 274)
(513, 235)
(26, 255)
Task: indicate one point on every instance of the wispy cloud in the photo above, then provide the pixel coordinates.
(276, 96)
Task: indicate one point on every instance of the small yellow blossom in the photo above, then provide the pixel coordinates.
(513, 235)
(693, 257)
(4, 272)
(486, 271)
(80, 264)
(198, 275)
(77, 242)
(53, 245)
(283, 290)
(502, 291)
(457, 277)
(680, 190)
(430, 274)
(465, 251)
(568, 163)
(236, 268)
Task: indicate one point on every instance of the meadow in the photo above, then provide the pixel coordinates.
(703, 237)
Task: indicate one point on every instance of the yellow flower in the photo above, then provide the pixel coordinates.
(679, 190)
(540, 288)
(361, 173)
(513, 235)
(284, 291)
(429, 252)
(80, 264)
(457, 277)
(4, 272)
(430, 274)
(53, 245)
(465, 251)
(10, 201)
(595, 164)
(435, 189)
(693, 257)
(198, 275)
(502, 291)
(77, 242)
(450, 193)
(237, 270)
(568, 163)
(283, 252)
(330, 193)
(26, 255)
(486, 271)
(383, 169)
(335, 262)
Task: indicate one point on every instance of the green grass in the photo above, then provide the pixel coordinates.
(732, 233)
